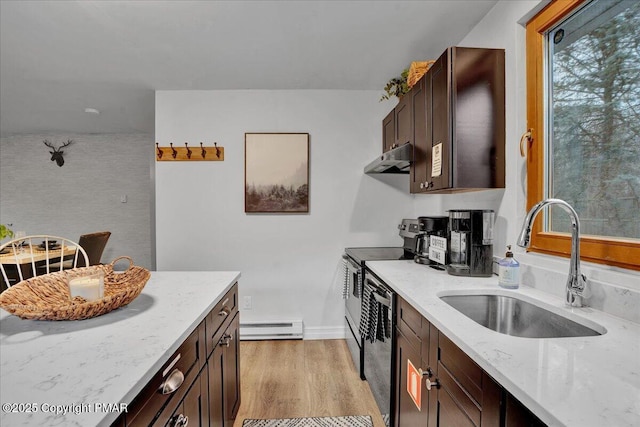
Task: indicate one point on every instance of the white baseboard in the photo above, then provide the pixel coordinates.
(324, 332)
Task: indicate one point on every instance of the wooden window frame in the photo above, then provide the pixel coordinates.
(617, 252)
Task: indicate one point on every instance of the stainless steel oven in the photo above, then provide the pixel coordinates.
(373, 359)
(353, 311)
(378, 354)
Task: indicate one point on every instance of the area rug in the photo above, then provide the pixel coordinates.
(347, 421)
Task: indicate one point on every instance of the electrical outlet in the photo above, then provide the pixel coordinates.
(247, 303)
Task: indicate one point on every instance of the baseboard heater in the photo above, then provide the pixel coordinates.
(271, 330)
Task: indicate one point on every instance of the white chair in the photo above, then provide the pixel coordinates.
(29, 256)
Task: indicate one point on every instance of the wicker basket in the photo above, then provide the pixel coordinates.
(47, 297)
(417, 70)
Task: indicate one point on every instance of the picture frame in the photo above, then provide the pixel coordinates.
(276, 172)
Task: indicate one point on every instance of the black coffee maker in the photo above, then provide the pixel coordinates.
(471, 243)
(431, 247)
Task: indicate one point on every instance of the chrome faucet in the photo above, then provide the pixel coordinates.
(576, 282)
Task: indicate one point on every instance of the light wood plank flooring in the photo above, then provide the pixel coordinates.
(289, 379)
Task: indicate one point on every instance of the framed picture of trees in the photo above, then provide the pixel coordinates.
(276, 172)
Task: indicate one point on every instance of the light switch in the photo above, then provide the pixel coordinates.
(123, 198)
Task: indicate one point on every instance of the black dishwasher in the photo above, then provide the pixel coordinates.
(378, 306)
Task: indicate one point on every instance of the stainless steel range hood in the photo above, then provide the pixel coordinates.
(397, 160)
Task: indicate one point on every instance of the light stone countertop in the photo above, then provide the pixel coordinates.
(83, 366)
(585, 381)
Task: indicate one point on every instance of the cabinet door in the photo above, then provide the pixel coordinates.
(194, 408)
(407, 412)
(404, 121)
(231, 371)
(224, 377)
(216, 389)
(420, 99)
(478, 126)
(439, 154)
(388, 131)
(467, 396)
(519, 416)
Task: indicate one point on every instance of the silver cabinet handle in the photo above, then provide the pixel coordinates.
(426, 373)
(224, 312)
(225, 340)
(180, 421)
(429, 384)
(172, 383)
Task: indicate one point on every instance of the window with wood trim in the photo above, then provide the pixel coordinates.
(583, 107)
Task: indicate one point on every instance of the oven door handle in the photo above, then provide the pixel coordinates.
(382, 300)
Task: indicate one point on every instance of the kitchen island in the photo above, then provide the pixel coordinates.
(86, 373)
(581, 381)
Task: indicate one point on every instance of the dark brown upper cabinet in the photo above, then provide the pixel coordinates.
(389, 131)
(404, 121)
(459, 123)
(397, 126)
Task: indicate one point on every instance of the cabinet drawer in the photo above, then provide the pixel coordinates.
(186, 361)
(193, 408)
(465, 370)
(425, 336)
(450, 414)
(460, 400)
(221, 314)
(408, 317)
(472, 390)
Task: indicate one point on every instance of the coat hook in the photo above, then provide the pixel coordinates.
(160, 152)
(527, 136)
(175, 153)
(217, 149)
(188, 150)
(203, 152)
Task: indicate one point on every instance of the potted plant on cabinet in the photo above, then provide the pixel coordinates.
(397, 86)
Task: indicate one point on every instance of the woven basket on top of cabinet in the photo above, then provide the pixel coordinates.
(417, 70)
(47, 297)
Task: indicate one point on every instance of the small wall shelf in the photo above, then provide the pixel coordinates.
(187, 153)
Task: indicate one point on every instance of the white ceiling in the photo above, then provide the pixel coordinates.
(59, 57)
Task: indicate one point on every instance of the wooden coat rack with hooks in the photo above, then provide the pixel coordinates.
(186, 153)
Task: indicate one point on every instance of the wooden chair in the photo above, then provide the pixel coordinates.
(30, 256)
(93, 244)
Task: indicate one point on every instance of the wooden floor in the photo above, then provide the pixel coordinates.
(290, 379)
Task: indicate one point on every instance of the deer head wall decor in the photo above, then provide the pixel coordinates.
(57, 153)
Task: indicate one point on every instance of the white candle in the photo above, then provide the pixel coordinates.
(90, 288)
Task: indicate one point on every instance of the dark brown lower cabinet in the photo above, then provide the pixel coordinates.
(467, 395)
(193, 410)
(455, 391)
(519, 416)
(407, 411)
(224, 377)
(198, 390)
(216, 389)
(231, 372)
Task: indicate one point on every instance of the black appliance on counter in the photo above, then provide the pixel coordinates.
(369, 357)
(431, 248)
(471, 242)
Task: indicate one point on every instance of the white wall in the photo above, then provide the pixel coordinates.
(83, 196)
(290, 263)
